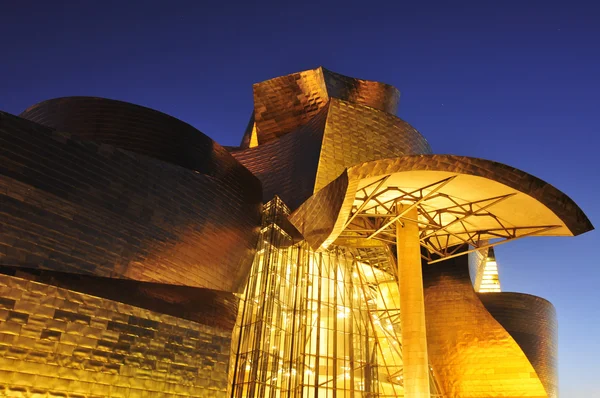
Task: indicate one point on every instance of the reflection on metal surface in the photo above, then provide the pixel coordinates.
(205, 306)
(285, 103)
(77, 206)
(140, 130)
(287, 167)
(128, 241)
(334, 121)
(473, 355)
(460, 200)
(340, 135)
(56, 342)
(355, 134)
(531, 321)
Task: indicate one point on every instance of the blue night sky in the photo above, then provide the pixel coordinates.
(517, 83)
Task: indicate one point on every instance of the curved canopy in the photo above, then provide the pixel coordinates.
(460, 200)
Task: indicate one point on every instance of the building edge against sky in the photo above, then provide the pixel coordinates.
(330, 254)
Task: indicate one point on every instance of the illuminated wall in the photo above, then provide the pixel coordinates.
(472, 353)
(484, 271)
(64, 343)
(73, 205)
(317, 323)
(129, 240)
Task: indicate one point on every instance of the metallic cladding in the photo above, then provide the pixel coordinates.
(287, 166)
(316, 217)
(340, 135)
(471, 353)
(78, 206)
(59, 343)
(363, 92)
(283, 104)
(531, 321)
(124, 237)
(210, 307)
(355, 134)
(141, 130)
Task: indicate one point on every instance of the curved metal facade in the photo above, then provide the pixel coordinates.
(283, 104)
(355, 134)
(141, 130)
(376, 95)
(127, 234)
(280, 169)
(77, 206)
(531, 321)
(334, 121)
(472, 354)
(553, 204)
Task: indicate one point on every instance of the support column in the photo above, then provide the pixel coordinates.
(412, 308)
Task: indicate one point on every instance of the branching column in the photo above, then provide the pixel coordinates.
(412, 308)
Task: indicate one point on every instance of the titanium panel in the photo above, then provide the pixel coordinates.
(141, 130)
(471, 353)
(363, 92)
(531, 321)
(56, 342)
(287, 166)
(341, 135)
(355, 134)
(317, 216)
(283, 104)
(205, 306)
(77, 206)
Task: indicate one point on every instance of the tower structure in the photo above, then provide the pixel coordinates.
(325, 256)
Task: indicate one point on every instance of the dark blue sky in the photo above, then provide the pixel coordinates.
(515, 82)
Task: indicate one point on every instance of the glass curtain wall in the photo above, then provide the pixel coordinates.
(316, 324)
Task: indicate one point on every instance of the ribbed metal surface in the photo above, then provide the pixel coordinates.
(59, 343)
(471, 353)
(531, 321)
(77, 206)
(285, 103)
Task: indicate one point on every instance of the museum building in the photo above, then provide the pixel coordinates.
(330, 254)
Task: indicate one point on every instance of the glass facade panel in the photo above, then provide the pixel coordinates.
(317, 324)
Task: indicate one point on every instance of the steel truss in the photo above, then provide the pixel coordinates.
(442, 231)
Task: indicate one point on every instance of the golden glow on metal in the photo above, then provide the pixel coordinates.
(318, 324)
(442, 225)
(328, 310)
(56, 342)
(472, 353)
